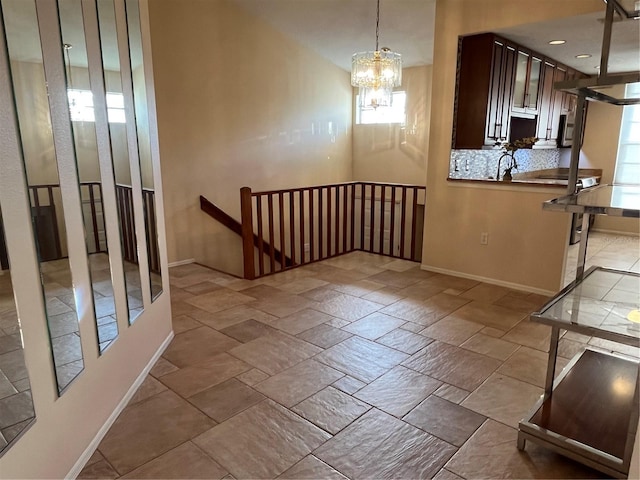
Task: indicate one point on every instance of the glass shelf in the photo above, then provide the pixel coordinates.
(605, 303)
(615, 200)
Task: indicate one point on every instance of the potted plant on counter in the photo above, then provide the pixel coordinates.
(508, 154)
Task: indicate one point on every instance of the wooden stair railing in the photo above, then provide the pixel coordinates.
(320, 222)
(232, 224)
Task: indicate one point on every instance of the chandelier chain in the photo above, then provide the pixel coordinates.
(377, 25)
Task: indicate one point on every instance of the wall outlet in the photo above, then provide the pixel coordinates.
(484, 238)
(307, 247)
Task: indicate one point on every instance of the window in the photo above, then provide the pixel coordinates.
(81, 106)
(392, 114)
(628, 162)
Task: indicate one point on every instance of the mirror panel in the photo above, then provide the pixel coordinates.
(144, 144)
(86, 145)
(120, 154)
(29, 84)
(16, 405)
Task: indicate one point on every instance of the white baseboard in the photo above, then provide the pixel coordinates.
(492, 281)
(616, 232)
(86, 455)
(182, 262)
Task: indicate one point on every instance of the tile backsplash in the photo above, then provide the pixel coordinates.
(482, 164)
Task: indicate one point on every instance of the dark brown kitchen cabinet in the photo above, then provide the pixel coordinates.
(550, 106)
(554, 103)
(505, 91)
(527, 83)
(484, 90)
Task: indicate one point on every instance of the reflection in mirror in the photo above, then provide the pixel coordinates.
(84, 134)
(120, 154)
(41, 166)
(16, 406)
(144, 144)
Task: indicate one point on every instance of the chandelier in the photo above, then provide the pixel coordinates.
(376, 73)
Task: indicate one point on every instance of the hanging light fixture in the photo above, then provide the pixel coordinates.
(376, 73)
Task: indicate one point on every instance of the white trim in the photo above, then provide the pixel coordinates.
(492, 281)
(615, 232)
(93, 445)
(182, 262)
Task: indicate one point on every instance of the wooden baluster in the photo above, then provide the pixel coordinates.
(392, 221)
(414, 209)
(303, 254)
(94, 218)
(353, 216)
(403, 220)
(54, 215)
(328, 222)
(272, 250)
(382, 207)
(283, 256)
(337, 225)
(246, 218)
(260, 235)
(372, 217)
(363, 190)
(104, 222)
(155, 254)
(292, 227)
(320, 225)
(312, 240)
(345, 188)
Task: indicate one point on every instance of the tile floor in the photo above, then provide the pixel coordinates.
(361, 366)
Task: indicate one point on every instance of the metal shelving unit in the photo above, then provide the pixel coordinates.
(590, 412)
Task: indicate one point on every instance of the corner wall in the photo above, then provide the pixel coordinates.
(394, 153)
(239, 104)
(526, 245)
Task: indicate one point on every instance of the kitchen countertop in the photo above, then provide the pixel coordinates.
(532, 182)
(551, 177)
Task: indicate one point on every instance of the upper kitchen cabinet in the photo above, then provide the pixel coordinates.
(551, 101)
(505, 92)
(485, 82)
(527, 83)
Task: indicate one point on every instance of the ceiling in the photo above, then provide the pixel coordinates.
(336, 29)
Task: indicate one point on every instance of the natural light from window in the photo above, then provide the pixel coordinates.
(628, 161)
(81, 106)
(392, 114)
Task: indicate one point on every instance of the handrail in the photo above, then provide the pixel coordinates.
(232, 224)
(339, 184)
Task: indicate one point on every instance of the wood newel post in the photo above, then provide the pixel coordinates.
(246, 212)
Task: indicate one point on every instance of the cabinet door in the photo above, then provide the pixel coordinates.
(533, 84)
(545, 112)
(559, 75)
(499, 101)
(527, 83)
(520, 87)
(569, 101)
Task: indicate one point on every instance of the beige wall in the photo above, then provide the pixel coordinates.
(239, 104)
(526, 245)
(397, 153)
(599, 150)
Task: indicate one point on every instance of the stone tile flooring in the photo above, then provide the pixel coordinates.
(361, 366)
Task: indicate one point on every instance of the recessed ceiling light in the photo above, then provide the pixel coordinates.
(584, 55)
(557, 42)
